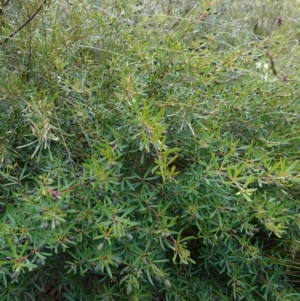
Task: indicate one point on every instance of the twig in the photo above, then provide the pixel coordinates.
(270, 56)
(24, 24)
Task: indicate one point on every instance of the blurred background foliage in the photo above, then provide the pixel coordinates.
(149, 150)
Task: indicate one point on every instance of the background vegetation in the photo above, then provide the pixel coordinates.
(149, 150)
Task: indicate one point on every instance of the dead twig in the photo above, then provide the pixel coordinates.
(24, 24)
(272, 63)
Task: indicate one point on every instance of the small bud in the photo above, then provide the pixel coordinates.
(129, 236)
(14, 275)
(117, 261)
(100, 246)
(97, 268)
(197, 216)
(167, 284)
(46, 225)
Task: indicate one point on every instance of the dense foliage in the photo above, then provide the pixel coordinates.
(149, 151)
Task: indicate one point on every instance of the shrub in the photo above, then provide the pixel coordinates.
(147, 154)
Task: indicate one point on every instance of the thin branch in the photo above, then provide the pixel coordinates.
(272, 62)
(24, 24)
